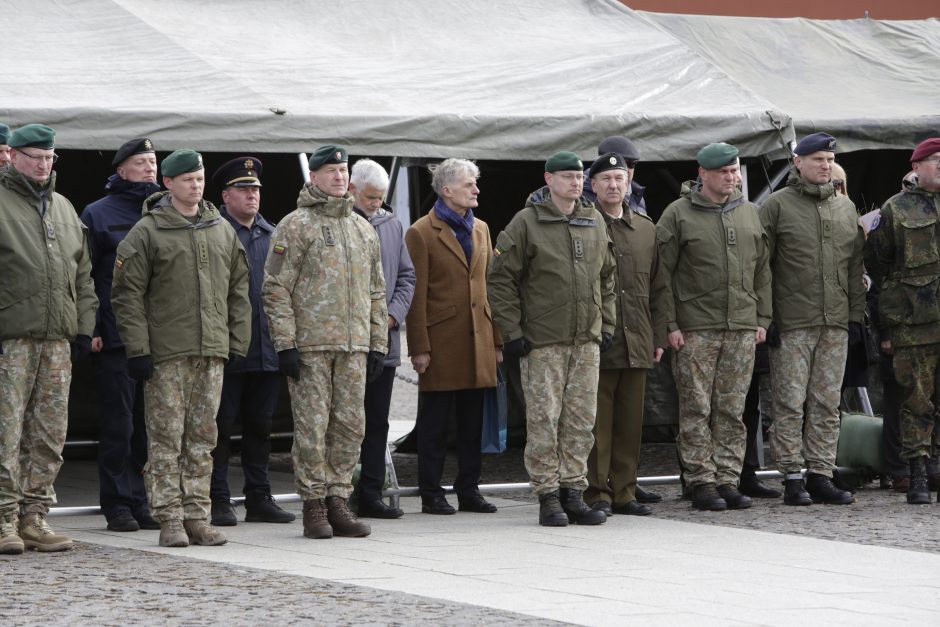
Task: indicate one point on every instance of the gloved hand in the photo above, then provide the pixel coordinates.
(607, 340)
(517, 348)
(375, 363)
(773, 336)
(140, 368)
(856, 334)
(234, 362)
(80, 347)
(289, 362)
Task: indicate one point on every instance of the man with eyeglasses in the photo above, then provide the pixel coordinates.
(47, 300)
(4, 147)
(903, 256)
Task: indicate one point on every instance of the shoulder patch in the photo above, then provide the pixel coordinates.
(279, 249)
(118, 263)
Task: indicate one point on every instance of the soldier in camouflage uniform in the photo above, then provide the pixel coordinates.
(47, 299)
(714, 255)
(180, 297)
(902, 255)
(324, 295)
(551, 288)
(816, 260)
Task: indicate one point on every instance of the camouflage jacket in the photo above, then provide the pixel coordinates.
(181, 288)
(46, 290)
(715, 261)
(323, 284)
(552, 276)
(816, 252)
(902, 255)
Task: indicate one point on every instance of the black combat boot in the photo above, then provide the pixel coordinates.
(822, 490)
(572, 502)
(223, 514)
(794, 493)
(754, 487)
(261, 507)
(918, 493)
(733, 497)
(550, 512)
(706, 497)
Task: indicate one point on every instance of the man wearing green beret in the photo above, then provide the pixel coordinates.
(180, 296)
(816, 253)
(324, 295)
(47, 300)
(4, 147)
(714, 256)
(551, 288)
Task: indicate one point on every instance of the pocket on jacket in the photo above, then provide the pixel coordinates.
(440, 315)
(920, 242)
(910, 301)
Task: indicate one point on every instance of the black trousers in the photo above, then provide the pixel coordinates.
(122, 439)
(253, 396)
(372, 453)
(434, 410)
(751, 418)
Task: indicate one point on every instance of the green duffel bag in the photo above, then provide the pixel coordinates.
(860, 443)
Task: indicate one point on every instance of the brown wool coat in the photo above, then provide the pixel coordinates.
(450, 314)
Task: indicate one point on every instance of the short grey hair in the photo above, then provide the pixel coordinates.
(367, 172)
(449, 170)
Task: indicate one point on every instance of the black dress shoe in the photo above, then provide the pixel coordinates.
(437, 505)
(632, 508)
(377, 508)
(475, 503)
(122, 520)
(602, 506)
(223, 514)
(646, 497)
(146, 520)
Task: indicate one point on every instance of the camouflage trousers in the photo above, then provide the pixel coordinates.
(328, 401)
(180, 404)
(807, 369)
(560, 387)
(713, 373)
(916, 371)
(34, 393)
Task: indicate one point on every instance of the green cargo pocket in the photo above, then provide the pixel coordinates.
(910, 301)
(920, 242)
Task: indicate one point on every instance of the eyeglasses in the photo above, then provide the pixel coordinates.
(39, 158)
(631, 163)
(934, 161)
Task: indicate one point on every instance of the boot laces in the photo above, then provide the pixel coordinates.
(38, 521)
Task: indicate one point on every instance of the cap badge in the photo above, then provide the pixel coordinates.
(832, 143)
(148, 145)
(339, 155)
(613, 161)
(249, 164)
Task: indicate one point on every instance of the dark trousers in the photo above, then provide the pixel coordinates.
(372, 453)
(253, 396)
(751, 419)
(434, 410)
(122, 439)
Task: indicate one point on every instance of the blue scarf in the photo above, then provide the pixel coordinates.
(463, 227)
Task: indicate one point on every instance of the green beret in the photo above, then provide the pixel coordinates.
(181, 162)
(564, 160)
(714, 156)
(4, 134)
(33, 136)
(325, 155)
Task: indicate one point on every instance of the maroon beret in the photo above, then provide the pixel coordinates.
(925, 149)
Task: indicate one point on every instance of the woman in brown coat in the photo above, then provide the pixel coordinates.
(451, 339)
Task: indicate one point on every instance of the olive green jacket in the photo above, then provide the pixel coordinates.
(714, 259)
(639, 289)
(551, 279)
(181, 287)
(902, 255)
(46, 290)
(816, 249)
(324, 289)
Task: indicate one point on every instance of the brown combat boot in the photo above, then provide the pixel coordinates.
(343, 521)
(38, 535)
(315, 520)
(173, 534)
(202, 533)
(10, 541)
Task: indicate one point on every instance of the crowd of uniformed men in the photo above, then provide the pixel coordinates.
(191, 315)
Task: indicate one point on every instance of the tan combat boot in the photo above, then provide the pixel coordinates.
(315, 522)
(10, 541)
(38, 535)
(172, 533)
(343, 521)
(201, 532)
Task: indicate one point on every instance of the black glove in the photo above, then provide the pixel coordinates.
(289, 362)
(80, 347)
(607, 340)
(517, 348)
(856, 335)
(140, 368)
(375, 363)
(772, 338)
(234, 362)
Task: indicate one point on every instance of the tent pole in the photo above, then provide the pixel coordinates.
(772, 183)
